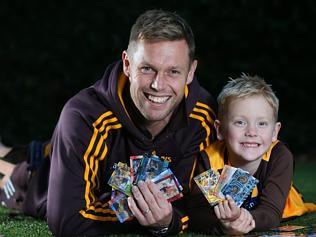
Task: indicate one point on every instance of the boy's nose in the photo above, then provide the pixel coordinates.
(251, 131)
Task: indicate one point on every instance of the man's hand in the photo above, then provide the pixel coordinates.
(152, 209)
(227, 210)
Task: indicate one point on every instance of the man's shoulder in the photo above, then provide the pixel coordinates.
(85, 105)
(199, 96)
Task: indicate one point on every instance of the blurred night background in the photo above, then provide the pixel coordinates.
(49, 50)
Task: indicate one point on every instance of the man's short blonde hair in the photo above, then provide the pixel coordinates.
(246, 86)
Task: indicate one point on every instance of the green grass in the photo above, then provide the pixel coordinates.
(14, 224)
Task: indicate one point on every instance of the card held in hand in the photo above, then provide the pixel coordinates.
(119, 205)
(151, 167)
(168, 185)
(121, 179)
(239, 186)
(234, 182)
(207, 182)
(135, 163)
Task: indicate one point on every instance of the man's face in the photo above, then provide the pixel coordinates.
(158, 73)
(249, 128)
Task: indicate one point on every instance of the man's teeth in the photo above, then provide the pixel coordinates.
(159, 99)
(250, 145)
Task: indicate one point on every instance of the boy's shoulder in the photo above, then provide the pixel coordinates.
(278, 151)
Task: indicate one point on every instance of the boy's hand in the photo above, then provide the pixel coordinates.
(242, 225)
(149, 206)
(227, 210)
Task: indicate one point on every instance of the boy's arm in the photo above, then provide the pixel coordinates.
(275, 188)
(234, 220)
(242, 225)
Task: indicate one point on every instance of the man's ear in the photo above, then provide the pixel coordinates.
(126, 63)
(276, 130)
(219, 130)
(191, 72)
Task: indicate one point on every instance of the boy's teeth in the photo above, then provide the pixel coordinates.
(156, 99)
(250, 144)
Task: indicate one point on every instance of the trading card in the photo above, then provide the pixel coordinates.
(135, 162)
(120, 206)
(224, 178)
(289, 228)
(168, 186)
(207, 182)
(239, 186)
(121, 179)
(169, 172)
(166, 173)
(117, 194)
(150, 167)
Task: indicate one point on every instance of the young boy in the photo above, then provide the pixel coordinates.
(247, 131)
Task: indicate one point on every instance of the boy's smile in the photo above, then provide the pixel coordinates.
(248, 129)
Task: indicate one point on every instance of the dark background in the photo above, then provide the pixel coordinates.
(49, 51)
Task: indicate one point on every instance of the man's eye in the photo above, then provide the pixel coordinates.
(146, 69)
(174, 72)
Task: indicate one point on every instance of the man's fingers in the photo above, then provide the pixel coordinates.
(148, 196)
(142, 207)
(145, 205)
(161, 201)
(135, 210)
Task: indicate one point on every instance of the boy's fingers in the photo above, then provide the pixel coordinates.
(217, 213)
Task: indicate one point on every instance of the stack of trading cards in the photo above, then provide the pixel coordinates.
(121, 184)
(232, 181)
(142, 167)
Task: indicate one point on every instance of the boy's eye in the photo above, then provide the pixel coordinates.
(263, 124)
(240, 123)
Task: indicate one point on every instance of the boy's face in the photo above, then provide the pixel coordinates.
(248, 128)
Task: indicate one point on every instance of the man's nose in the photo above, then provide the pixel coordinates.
(157, 83)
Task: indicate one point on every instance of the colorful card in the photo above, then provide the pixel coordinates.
(232, 181)
(119, 205)
(168, 185)
(121, 179)
(239, 186)
(224, 178)
(289, 228)
(207, 182)
(150, 167)
(135, 163)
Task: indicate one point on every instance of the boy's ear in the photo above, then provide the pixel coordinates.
(219, 130)
(276, 130)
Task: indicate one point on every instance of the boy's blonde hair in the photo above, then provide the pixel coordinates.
(245, 86)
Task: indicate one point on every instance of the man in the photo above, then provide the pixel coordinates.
(149, 102)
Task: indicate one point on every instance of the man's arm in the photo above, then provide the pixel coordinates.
(73, 205)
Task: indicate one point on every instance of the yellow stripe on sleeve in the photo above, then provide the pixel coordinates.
(93, 155)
